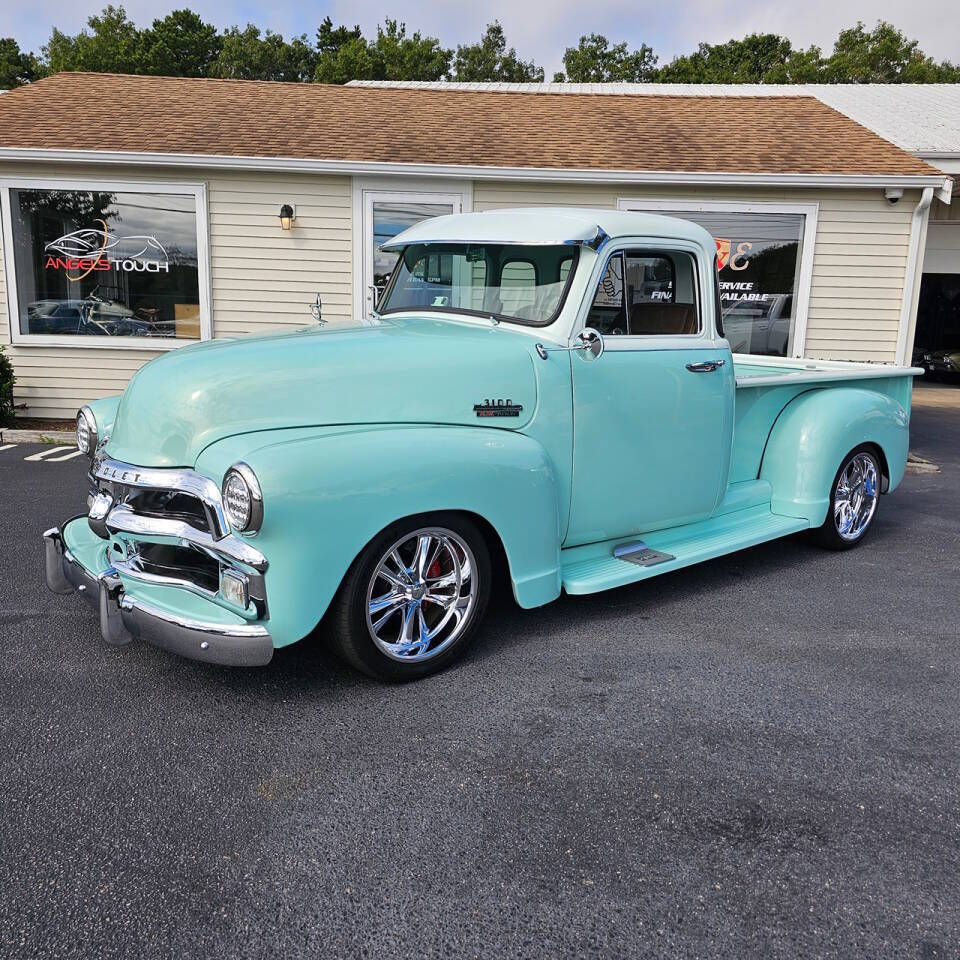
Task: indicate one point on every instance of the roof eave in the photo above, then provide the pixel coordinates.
(554, 174)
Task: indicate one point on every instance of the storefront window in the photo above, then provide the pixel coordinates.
(389, 219)
(759, 254)
(106, 263)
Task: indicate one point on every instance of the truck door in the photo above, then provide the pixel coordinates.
(653, 415)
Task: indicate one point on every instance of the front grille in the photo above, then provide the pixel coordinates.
(169, 505)
(180, 563)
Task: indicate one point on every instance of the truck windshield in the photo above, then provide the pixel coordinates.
(511, 282)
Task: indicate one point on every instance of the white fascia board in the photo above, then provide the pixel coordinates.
(550, 174)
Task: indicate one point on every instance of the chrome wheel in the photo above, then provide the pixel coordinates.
(421, 595)
(855, 496)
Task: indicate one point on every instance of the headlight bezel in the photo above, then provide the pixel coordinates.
(85, 416)
(248, 478)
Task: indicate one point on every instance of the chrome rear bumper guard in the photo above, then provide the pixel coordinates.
(124, 618)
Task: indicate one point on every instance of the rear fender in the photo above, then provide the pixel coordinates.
(812, 435)
(328, 492)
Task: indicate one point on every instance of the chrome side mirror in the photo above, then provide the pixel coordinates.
(590, 343)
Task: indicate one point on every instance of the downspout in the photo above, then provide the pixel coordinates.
(911, 279)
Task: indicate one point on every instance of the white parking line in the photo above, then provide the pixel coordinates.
(43, 454)
(68, 456)
(8, 446)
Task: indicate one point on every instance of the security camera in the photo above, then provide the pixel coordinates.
(893, 194)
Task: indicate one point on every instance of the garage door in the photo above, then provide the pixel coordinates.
(943, 248)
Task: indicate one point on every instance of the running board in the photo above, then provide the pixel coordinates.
(601, 566)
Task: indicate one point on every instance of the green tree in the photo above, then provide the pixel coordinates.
(352, 60)
(111, 45)
(330, 39)
(757, 58)
(489, 59)
(409, 58)
(345, 55)
(249, 55)
(16, 67)
(883, 55)
(179, 45)
(593, 60)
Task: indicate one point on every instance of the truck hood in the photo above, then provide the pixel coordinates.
(413, 370)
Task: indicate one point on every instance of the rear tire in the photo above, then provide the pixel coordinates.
(412, 601)
(854, 498)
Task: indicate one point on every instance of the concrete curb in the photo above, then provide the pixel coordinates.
(38, 436)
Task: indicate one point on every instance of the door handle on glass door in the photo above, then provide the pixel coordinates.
(705, 366)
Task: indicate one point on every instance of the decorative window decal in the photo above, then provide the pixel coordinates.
(105, 263)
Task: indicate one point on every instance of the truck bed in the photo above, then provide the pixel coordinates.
(752, 371)
(765, 385)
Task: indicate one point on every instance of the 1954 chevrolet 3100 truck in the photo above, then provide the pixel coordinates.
(543, 393)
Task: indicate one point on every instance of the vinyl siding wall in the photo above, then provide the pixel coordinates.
(261, 277)
(860, 257)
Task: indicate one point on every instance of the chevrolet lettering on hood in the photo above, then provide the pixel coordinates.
(542, 394)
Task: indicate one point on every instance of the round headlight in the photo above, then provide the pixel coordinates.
(242, 500)
(86, 432)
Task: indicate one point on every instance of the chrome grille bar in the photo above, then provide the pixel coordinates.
(168, 478)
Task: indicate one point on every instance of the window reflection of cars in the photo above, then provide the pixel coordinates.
(760, 326)
(90, 316)
(944, 362)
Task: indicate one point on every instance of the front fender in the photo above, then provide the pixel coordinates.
(327, 492)
(104, 412)
(813, 434)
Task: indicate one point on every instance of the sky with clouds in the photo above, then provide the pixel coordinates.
(538, 30)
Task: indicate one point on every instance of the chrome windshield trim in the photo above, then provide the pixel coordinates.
(122, 519)
(169, 478)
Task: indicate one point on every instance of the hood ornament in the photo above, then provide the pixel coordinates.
(316, 311)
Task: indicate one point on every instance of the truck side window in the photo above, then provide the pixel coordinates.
(661, 293)
(608, 312)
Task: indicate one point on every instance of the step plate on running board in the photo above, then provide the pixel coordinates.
(642, 555)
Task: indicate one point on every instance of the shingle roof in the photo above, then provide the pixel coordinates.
(923, 118)
(686, 134)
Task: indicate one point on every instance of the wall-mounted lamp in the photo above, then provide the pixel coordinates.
(288, 214)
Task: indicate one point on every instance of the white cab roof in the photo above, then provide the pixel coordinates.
(548, 225)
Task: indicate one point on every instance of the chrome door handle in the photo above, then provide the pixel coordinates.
(705, 366)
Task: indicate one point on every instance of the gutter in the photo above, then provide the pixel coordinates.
(941, 183)
(911, 280)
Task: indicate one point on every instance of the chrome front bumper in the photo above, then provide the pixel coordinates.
(124, 618)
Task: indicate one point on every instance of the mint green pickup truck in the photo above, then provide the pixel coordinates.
(544, 395)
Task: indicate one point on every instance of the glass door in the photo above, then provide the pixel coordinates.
(385, 214)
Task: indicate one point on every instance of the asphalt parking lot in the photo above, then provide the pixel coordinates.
(757, 757)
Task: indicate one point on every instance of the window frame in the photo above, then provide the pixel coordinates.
(370, 190)
(662, 248)
(197, 190)
(796, 344)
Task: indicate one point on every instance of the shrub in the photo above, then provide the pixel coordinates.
(7, 380)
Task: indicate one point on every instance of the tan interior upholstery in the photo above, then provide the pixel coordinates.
(662, 319)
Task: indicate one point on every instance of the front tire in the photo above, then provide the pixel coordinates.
(411, 602)
(854, 497)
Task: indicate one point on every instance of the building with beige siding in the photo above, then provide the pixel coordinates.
(141, 214)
